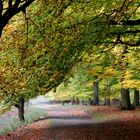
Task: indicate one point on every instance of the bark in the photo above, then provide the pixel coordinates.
(77, 101)
(1, 26)
(12, 10)
(127, 22)
(96, 93)
(72, 101)
(21, 109)
(107, 101)
(136, 97)
(0, 32)
(89, 101)
(125, 99)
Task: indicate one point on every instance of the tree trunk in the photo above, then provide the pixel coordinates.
(125, 99)
(107, 101)
(136, 98)
(0, 32)
(125, 96)
(89, 101)
(72, 101)
(77, 101)
(21, 109)
(96, 93)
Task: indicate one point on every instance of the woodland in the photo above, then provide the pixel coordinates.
(86, 47)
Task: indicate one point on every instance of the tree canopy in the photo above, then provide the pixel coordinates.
(45, 42)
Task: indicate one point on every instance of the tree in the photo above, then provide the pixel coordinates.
(9, 8)
(127, 77)
(39, 70)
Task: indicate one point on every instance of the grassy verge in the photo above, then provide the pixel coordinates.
(11, 123)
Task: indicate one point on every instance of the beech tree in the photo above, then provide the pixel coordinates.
(9, 8)
(44, 67)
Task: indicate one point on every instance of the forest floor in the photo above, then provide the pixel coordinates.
(81, 123)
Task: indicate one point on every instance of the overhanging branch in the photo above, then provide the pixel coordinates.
(135, 44)
(11, 11)
(126, 32)
(127, 22)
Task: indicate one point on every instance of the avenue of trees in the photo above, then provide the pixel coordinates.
(43, 40)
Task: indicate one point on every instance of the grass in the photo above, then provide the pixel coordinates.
(11, 123)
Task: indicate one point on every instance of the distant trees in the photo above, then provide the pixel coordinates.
(114, 70)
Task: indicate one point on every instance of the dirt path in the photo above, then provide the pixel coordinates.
(81, 123)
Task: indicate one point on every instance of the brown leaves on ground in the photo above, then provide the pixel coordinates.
(82, 123)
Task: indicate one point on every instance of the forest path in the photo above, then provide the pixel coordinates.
(81, 123)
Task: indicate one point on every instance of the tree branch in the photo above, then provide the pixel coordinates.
(1, 8)
(11, 11)
(127, 22)
(135, 44)
(126, 32)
